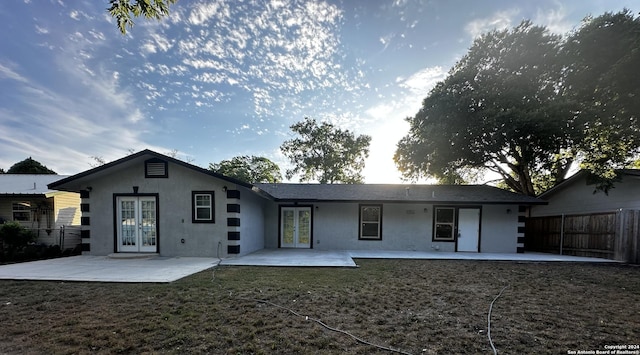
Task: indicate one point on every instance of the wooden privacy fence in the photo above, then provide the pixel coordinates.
(613, 235)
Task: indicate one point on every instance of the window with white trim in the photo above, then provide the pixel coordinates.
(203, 206)
(370, 222)
(21, 211)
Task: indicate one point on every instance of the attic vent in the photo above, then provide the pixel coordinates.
(155, 168)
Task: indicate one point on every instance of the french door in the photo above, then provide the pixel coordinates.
(295, 227)
(137, 224)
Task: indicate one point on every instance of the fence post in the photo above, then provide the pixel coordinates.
(561, 233)
(62, 237)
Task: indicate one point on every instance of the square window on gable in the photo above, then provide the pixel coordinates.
(156, 168)
(203, 207)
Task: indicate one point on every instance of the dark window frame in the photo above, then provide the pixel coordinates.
(454, 224)
(361, 223)
(194, 208)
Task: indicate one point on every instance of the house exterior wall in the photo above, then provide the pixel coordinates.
(405, 226)
(64, 210)
(174, 203)
(499, 229)
(251, 223)
(578, 198)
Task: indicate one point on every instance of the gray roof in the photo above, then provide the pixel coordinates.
(27, 184)
(467, 194)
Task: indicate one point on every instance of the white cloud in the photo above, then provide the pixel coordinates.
(88, 113)
(201, 13)
(41, 30)
(267, 48)
(9, 73)
(421, 82)
(148, 48)
(498, 21)
(554, 19)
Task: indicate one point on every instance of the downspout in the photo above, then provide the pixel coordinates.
(561, 233)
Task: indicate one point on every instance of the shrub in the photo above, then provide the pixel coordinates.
(15, 238)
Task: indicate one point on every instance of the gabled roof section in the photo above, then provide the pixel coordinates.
(583, 173)
(27, 184)
(147, 154)
(458, 194)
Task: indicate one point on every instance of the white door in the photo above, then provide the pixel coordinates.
(137, 227)
(468, 229)
(295, 227)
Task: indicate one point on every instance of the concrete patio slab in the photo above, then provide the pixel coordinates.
(294, 257)
(344, 258)
(541, 257)
(105, 269)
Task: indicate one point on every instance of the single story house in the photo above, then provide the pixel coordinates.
(26, 199)
(151, 203)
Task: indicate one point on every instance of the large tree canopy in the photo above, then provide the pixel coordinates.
(29, 166)
(498, 110)
(251, 169)
(603, 80)
(124, 11)
(512, 106)
(326, 153)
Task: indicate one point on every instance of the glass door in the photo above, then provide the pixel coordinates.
(137, 224)
(295, 227)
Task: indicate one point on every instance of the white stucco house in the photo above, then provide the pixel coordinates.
(151, 203)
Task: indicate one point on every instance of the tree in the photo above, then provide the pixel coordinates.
(251, 169)
(603, 57)
(526, 105)
(97, 161)
(124, 10)
(29, 166)
(326, 153)
(500, 109)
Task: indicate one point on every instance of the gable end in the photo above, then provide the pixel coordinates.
(156, 168)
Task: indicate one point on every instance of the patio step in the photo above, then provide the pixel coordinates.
(132, 255)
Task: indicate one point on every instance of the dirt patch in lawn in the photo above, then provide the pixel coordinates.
(417, 306)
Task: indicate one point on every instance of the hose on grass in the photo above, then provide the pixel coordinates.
(359, 340)
(495, 352)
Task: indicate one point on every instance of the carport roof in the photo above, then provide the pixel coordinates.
(460, 194)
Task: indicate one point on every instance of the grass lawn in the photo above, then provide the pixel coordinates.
(417, 306)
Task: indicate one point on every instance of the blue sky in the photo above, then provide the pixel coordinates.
(217, 79)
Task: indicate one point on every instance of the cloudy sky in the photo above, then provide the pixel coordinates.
(221, 78)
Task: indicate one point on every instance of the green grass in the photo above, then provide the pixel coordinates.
(421, 307)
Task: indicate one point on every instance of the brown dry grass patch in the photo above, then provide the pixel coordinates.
(418, 306)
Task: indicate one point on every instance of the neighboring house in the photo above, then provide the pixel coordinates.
(52, 215)
(149, 202)
(575, 196)
(578, 220)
